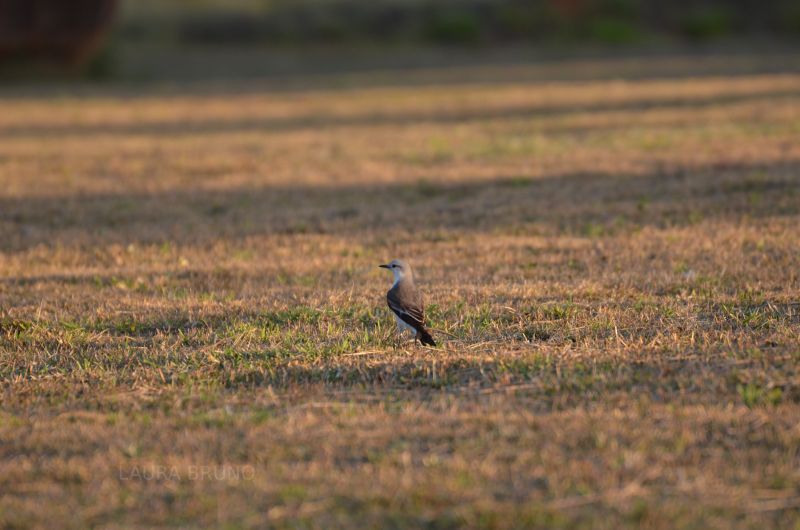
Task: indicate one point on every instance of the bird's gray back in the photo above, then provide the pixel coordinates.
(405, 295)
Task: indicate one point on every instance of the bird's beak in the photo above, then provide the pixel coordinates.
(385, 266)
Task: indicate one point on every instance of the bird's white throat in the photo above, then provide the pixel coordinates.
(398, 275)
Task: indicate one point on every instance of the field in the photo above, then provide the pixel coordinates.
(193, 328)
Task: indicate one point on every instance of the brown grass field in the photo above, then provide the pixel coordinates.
(193, 329)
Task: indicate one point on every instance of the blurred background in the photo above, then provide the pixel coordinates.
(153, 39)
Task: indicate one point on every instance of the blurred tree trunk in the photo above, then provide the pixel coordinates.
(67, 32)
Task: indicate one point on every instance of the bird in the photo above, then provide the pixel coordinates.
(405, 301)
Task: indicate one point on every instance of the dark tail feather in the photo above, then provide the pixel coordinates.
(425, 337)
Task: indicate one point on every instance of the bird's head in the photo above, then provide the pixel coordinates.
(399, 268)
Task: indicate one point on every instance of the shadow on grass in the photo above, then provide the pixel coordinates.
(582, 204)
(406, 118)
(144, 71)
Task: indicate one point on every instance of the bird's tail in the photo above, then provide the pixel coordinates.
(425, 337)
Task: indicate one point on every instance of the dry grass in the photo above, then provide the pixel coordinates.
(193, 330)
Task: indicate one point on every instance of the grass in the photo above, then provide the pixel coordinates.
(193, 330)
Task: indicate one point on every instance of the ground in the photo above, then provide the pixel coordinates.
(193, 328)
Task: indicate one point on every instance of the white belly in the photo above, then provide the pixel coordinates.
(402, 326)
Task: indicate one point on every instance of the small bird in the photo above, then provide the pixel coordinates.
(405, 301)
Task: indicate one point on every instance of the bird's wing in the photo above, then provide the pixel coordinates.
(410, 312)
